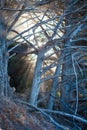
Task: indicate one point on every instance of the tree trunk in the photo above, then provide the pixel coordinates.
(54, 88)
(4, 83)
(37, 78)
(69, 77)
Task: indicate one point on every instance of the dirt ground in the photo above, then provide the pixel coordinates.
(16, 117)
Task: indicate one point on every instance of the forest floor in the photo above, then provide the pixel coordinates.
(15, 116)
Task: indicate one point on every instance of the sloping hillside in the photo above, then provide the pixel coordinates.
(16, 117)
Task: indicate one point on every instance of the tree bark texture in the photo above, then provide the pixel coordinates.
(4, 83)
(37, 78)
(54, 88)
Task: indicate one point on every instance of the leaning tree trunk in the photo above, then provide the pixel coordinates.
(37, 78)
(4, 83)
